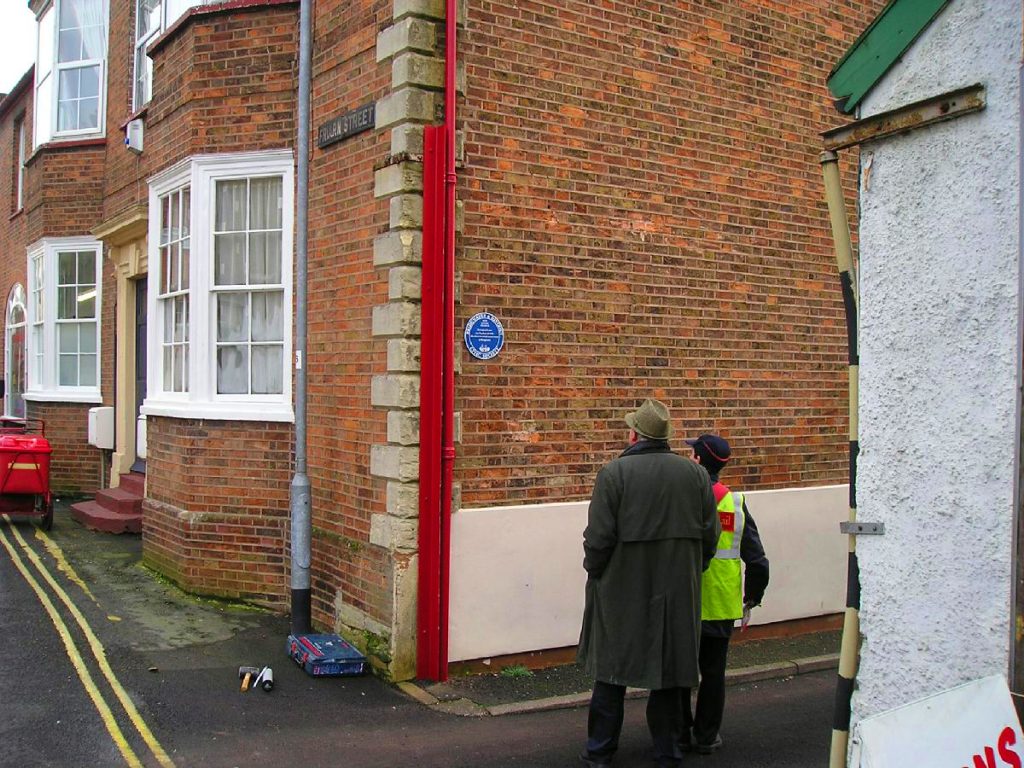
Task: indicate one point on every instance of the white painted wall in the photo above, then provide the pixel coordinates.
(517, 573)
(939, 249)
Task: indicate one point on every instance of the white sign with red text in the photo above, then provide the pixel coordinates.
(970, 726)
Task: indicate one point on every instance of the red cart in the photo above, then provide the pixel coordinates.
(25, 470)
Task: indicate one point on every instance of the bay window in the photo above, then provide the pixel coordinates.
(63, 314)
(220, 288)
(153, 17)
(71, 70)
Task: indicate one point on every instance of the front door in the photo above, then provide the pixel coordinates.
(141, 293)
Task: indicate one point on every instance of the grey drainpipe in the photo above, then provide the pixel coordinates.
(301, 522)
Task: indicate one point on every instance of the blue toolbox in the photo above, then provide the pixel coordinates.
(326, 655)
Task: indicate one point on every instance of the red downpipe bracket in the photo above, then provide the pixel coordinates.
(437, 378)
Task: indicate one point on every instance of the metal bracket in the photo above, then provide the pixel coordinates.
(962, 101)
(862, 529)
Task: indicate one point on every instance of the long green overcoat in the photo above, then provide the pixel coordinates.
(652, 529)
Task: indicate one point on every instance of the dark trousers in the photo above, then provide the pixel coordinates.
(710, 694)
(604, 723)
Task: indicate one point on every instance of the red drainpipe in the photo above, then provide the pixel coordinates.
(437, 384)
(448, 405)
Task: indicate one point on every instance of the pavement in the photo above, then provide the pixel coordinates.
(157, 620)
(517, 689)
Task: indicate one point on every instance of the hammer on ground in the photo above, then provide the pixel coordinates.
(245, 674)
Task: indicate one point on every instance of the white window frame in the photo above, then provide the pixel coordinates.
(43, 379)
(47, 78)
(20, 180)
(15, 299)
(170, 12)
(202, 401)
(140, 52)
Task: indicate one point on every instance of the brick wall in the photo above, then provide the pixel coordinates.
(65, 190)
(61, 197)
(13, 228)
(13, 234)
(343, 289)
(75, 466)
(124, 171)
(216, 516)
(224, 80)
(216, 519)
(644, 213)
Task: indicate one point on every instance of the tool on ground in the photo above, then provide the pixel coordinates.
(246, 675)
(265, 679)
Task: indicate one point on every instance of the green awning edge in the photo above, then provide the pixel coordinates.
(879, 47)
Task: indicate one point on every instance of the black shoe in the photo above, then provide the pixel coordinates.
(686, 742)
(590, 762)
(707, 749)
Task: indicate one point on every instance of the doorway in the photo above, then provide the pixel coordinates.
(141, 314)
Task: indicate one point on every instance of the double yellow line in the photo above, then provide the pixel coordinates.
(94, 643)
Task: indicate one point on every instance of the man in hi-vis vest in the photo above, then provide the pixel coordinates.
(725, 597)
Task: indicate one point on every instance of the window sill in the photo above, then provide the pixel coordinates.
(136, 115)
(57, 396)
(277, 412)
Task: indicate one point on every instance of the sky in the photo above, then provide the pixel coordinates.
(17, 42)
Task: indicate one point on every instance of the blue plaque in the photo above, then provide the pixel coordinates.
(484, 336)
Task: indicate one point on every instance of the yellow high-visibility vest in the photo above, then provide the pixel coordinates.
(722, 588)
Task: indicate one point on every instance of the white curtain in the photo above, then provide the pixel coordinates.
(89, 19)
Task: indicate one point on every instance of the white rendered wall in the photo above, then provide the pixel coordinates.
(939, 313)
(517, 573)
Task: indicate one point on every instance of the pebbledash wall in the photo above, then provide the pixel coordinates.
(639, 204)
(940, 366)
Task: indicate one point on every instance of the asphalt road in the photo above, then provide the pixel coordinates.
(175, 662)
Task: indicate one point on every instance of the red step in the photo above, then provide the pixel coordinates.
(119, 500)
(133, 482)
(114, 510)
(99, 518)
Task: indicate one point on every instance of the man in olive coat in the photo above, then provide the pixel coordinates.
(652, 530)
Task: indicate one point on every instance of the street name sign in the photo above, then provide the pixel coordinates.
(344, 126)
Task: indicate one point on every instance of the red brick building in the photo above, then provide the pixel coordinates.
(639, 205)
